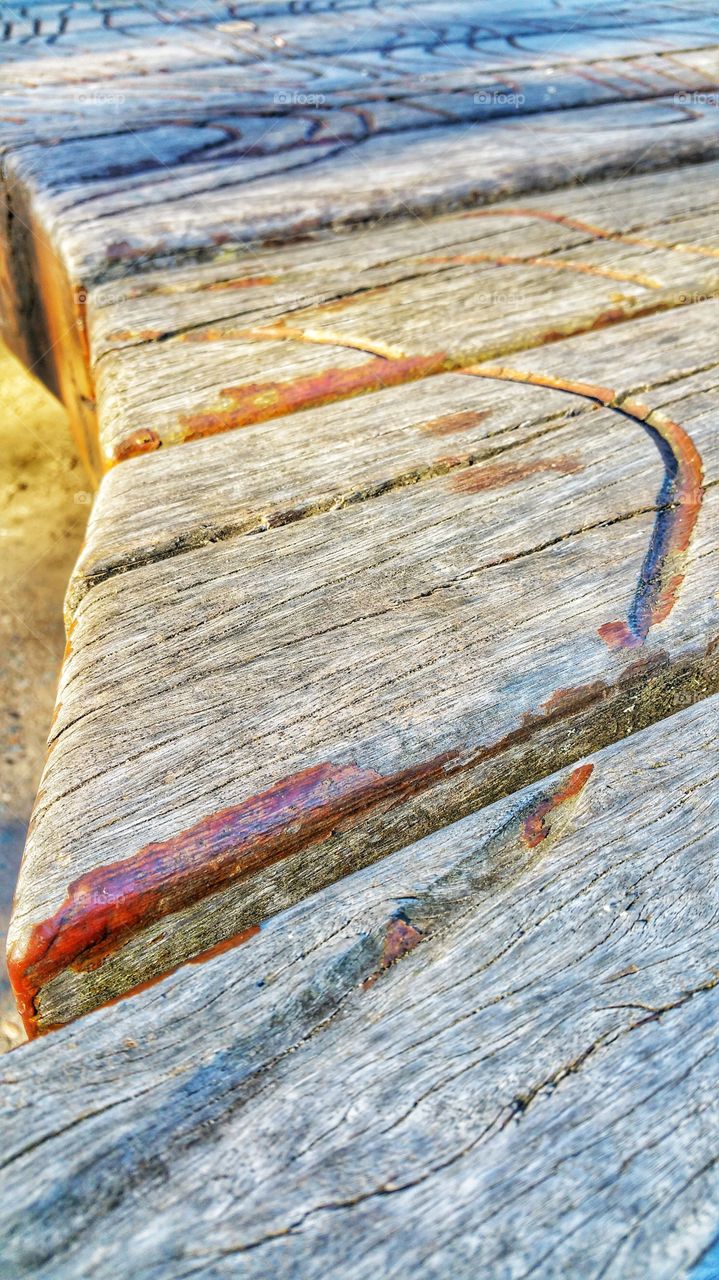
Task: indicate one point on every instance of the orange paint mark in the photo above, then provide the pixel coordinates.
(535, 825)
(106, 906)
(261, 401)
(496, 475)
(589, 228)
(451, 422)
(555, 264)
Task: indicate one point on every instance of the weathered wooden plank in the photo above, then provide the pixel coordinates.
(268, 475)
(180, 354)
(169, 159)
(352, 181)
(252, 718)
(273, 473)
(497, 1057)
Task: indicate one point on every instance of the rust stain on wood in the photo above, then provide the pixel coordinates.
(591, 391)
(568, 700)
(229, 944)
(591, 229)
(555, 264)
(135, 335)
(678, 503)
(244, 282)
(449, 423)
(261, 401)
(104, 907)
(400, 937)
(144, 440)
(536, 825)
(542, 818)
(316, 336)
(496, 475)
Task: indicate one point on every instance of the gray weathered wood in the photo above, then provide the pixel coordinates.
(137, 133)
(194, 351)
(273, 473)
(451, 589)
(253, 717)
(528, 1089)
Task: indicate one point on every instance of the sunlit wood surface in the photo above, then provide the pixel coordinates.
(384, 749)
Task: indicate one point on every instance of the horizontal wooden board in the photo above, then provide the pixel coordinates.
(137, 134)
(182, 354)
(247, 720)
(423, 170)
(273, 473)
(497, 1055)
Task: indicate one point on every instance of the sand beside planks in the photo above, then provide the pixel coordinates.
(530, 1082)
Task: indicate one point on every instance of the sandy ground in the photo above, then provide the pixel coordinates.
(44, 502)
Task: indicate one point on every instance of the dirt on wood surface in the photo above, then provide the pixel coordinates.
(44, 502)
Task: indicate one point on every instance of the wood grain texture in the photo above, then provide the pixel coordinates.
(139, 133)
(526, 1087)
(248, 719)
(178, 354)
(276, 472)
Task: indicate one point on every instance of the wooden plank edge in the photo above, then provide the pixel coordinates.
(234, 869)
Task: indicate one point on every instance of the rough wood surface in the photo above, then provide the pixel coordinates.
(133, 134)
(278, 471)
(497, 1056)
(241, 721)
(242, 718)
(300, 647)
(182, 353)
